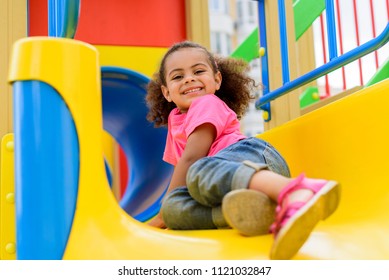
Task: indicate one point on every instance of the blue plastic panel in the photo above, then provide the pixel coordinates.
(46, 172)
(124, 117)
(63, 17)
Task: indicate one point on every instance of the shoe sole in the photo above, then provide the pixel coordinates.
(249, 212)
(296, 231)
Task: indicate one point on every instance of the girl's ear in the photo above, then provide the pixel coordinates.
(218, 79)
(166, 94)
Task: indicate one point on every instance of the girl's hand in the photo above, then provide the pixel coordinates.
(157, 222)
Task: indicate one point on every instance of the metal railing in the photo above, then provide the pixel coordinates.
(334, 63)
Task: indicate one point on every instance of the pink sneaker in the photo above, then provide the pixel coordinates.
(295, 221)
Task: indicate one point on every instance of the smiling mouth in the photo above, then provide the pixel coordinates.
(192, 90)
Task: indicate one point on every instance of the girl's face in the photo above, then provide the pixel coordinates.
(189, 75)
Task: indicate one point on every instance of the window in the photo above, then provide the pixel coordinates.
(239, 10)
(219, 6)
(221, 43)
(214, 5)
(229, 44)
(252, 12)
(226, 6)
(252, 9)
(218, 42)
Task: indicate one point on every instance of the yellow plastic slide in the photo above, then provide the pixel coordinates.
(345, 141)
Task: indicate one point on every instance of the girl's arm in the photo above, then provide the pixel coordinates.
(198, 144)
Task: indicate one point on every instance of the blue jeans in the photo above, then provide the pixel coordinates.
(198, 205)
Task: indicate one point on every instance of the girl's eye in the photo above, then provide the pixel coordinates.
(199, 71)
(176, 77)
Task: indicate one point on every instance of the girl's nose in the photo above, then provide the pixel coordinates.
(189, 78)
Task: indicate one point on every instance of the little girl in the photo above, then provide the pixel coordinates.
(221, 178)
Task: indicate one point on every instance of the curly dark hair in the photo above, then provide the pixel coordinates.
(235, 90)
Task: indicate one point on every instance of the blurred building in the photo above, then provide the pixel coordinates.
(231, 21)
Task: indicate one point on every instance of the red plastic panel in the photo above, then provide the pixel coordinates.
(37, 17)
(152, 23)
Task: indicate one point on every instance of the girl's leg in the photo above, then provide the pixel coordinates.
(302, 203)
(272, 184)
(199, 205)
(180, 211)
(211, 178)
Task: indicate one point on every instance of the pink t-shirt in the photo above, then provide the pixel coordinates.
(205, 109)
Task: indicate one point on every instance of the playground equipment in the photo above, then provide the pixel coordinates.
(7, 199)
(100, 229)
(334, 63)
(124, 117)
(62, 93)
